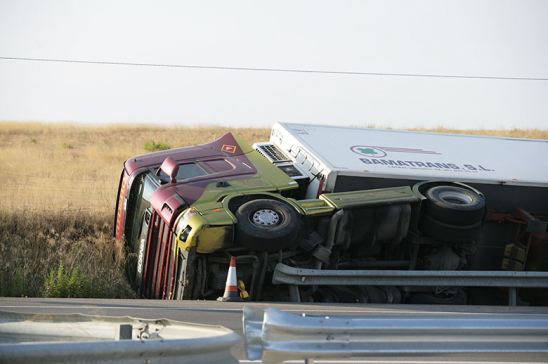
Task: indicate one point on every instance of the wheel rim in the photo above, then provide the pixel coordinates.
(265, 217)
(456, 198)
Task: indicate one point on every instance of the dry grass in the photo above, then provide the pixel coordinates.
(510, 133)
(34, 244)
(58, 193)
(53, 167)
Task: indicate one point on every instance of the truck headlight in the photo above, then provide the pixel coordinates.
(184, 234)
(183, 221)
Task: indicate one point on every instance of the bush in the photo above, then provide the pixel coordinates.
(67, 146)
(62, 283)
(152, 146)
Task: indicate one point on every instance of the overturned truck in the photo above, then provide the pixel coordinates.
(332, 214)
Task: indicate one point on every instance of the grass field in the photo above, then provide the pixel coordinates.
(57, 201)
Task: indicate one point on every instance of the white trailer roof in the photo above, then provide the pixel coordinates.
(417, 155)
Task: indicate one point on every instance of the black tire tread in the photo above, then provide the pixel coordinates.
(452, 213)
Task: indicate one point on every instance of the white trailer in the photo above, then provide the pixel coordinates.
(511, 172)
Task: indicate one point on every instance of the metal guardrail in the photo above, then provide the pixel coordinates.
(37, 338)
(274, 336)
(294, 277)
(306, 277)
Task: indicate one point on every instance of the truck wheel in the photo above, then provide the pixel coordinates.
(454, 205)
(447, 232)
(266, 225)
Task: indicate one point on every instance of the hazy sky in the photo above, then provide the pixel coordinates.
(483, 38)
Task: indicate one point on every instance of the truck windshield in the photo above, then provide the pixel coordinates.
(186, 170)
(138, 203)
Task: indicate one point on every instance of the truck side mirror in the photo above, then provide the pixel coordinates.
(170, 168)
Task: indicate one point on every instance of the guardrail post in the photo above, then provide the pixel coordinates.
(125, 332)
(512, 296)
(294, 294)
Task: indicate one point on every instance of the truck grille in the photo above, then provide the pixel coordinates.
(271, 152)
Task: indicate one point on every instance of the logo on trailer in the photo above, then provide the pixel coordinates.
(375, 155)
(379, 152)
(368, 151)
(227, 148)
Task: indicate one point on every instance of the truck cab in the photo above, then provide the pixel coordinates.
(176, 200)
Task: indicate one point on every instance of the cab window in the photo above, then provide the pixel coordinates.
(186, 170)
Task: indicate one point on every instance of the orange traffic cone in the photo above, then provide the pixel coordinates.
(231, 289)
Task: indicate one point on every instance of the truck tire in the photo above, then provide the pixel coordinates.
(454, 205)
(267, 225)
(447, 232)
